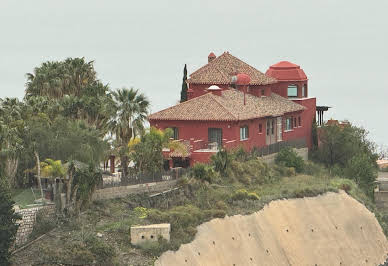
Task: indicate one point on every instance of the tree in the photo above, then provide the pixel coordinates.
(58, 78)
(339, 145)
(348, 152)
(184, 85)
(8, 226)
(147, 153)
(75, 88)
(11, 127)
(363, 171)
(131, 112)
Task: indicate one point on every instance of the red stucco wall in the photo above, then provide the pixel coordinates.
(281, 87)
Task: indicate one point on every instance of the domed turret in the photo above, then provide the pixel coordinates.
(292, 79)
(285, 70)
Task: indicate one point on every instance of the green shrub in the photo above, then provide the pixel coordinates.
(344, 184)
(8, 226)
(221, 205)
(243, 194)
(253, 196)
(141, 212)
(203, 172)
(103, 252)
(155, 248)
(288, 157)
(43, 224)
(221, 161)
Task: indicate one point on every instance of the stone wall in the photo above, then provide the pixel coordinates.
(302, 152)
(26, 224)
(140, 234)
(123, 191)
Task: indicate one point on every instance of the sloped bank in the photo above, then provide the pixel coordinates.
(331, 229)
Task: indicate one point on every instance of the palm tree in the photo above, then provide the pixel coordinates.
(11, 127)
(132, 109)
(59, 78)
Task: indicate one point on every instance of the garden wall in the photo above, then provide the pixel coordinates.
(123, 191)
(302, 152)
(26, 224)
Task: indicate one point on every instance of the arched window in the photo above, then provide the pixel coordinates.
(292, 90)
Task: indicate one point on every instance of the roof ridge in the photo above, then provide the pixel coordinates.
(223, 106)
(179, 104)
(206, 65)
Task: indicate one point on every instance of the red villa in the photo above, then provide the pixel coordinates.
(232, 104)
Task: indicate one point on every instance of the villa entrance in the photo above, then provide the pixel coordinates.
(270, 137)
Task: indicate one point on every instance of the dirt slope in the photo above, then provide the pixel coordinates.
(332, 229)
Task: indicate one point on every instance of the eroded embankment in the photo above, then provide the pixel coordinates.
(332, 229)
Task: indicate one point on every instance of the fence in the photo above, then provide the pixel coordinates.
(276, 147)
(142, 178)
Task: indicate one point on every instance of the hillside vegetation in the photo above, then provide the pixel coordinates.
(245, 186)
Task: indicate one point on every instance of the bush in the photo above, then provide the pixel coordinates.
(101, 250)
(155, 248)
(43, 224)
(288, 157)
(221, 161)
(203, 172)
(250, 171)
(344, 184)
(242, 194)
(8, 225)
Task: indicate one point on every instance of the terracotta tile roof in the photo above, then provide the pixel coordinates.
(181, 153)
(228, 107)
(221, 69)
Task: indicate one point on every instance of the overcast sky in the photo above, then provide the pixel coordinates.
(341, 45)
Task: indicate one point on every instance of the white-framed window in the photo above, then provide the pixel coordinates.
(299, 121)
(244, 133)
(292, 90)
(288, 124)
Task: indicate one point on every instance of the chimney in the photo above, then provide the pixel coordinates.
(242, 81)
(211, 57)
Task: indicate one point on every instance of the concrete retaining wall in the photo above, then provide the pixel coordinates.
(141, 234)
(26, 224)
(302, 152)
(123, 191)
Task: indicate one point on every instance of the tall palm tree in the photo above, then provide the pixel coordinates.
(58, 78)
(132, 109)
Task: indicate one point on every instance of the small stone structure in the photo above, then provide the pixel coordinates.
(143, 233)
(270, 159)
(123, 191)
(26, 224)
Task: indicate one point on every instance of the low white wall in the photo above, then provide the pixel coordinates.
(270, 159)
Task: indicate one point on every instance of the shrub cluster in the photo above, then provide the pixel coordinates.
(288, 157)
(243, 194)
